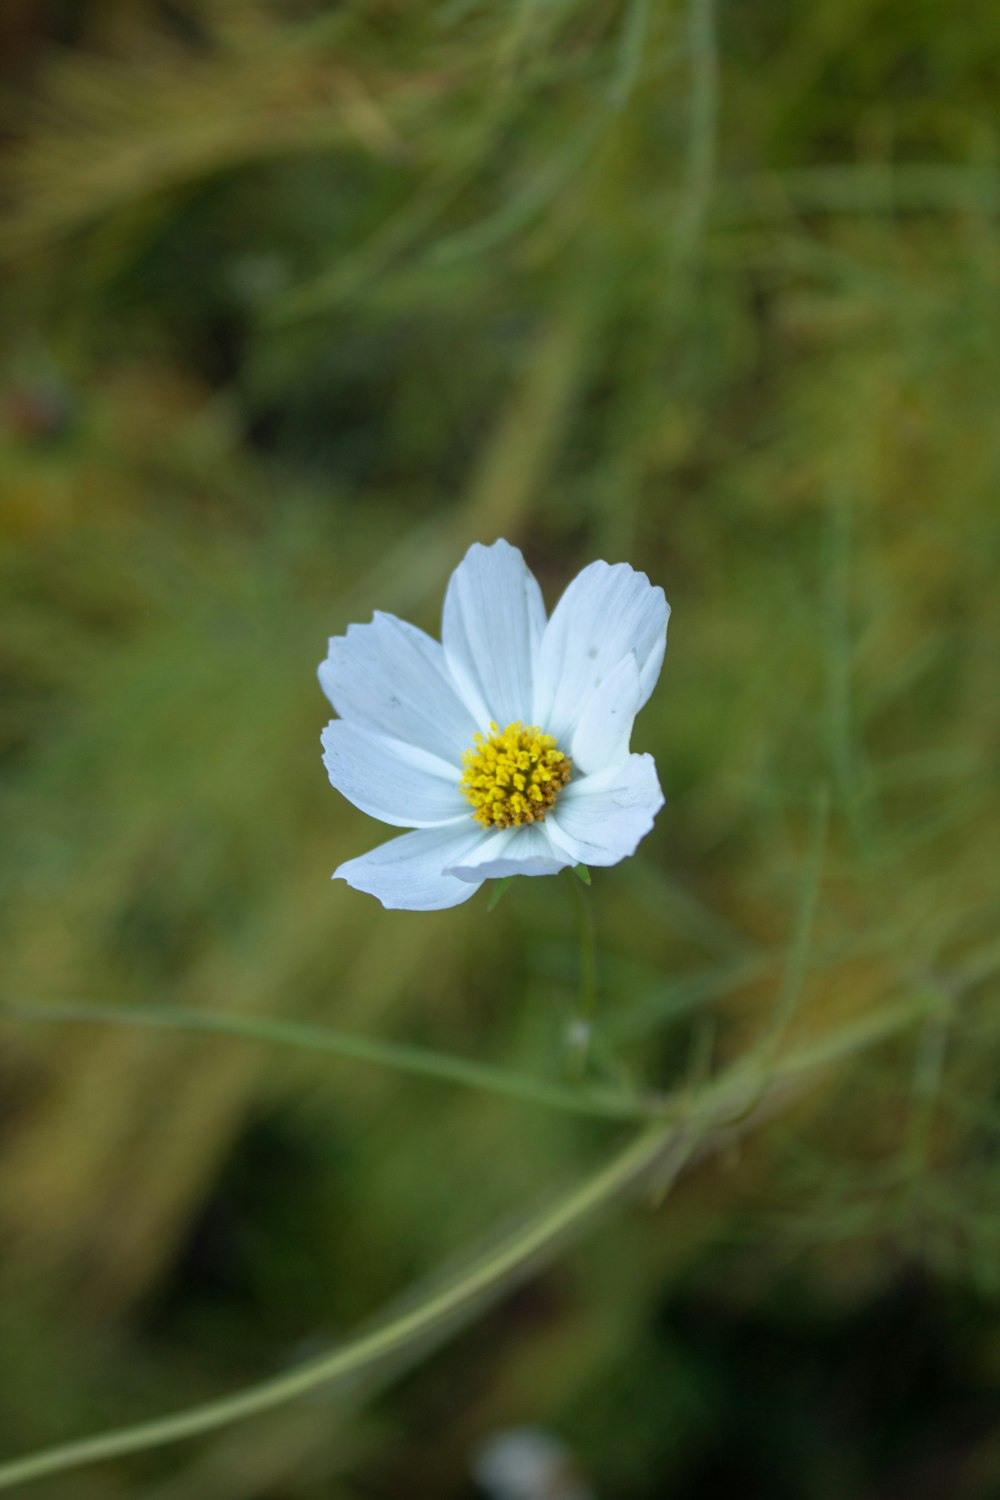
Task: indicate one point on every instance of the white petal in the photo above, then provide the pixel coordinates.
(600, 819)
(396, 783)
(492, 625)
(390, 677)
(605, 727)
(526, 850)
(407, 873)
(605, 613)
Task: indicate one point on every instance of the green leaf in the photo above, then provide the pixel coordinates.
(582, 873)
(499, 891)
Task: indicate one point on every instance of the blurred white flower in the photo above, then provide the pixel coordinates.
(524, 1463)
(506, 747)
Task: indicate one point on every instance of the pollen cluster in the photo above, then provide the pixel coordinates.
(513, 776)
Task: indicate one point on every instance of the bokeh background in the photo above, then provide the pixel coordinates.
(299, 299)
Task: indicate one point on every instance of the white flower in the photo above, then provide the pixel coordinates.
(506, 747)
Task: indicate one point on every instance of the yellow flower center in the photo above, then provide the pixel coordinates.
(513, 776)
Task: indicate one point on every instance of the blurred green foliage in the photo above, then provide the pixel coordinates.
(300, 299)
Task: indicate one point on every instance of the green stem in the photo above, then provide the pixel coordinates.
(668, 1146)
(488, 1275)
(797, 961)
(587, 1007)
(604, 1103)
(699, 169)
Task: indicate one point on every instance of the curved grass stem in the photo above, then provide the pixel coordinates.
(657, 1154)
(421, 1062)
(484, 1278)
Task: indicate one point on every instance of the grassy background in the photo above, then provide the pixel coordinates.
(298, 300)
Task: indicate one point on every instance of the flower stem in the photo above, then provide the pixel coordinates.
(581, 1026)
